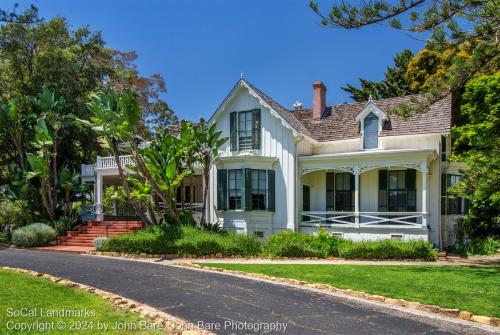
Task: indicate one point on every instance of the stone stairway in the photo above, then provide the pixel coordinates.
(85, 235)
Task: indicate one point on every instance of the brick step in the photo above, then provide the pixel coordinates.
(104, 230)
(73, 244)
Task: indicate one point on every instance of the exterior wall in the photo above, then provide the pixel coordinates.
(422, 141)
(372, 234)
(278, 142)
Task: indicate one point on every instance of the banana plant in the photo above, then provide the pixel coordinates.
(15, 124)
(208, 142)
(69, 182)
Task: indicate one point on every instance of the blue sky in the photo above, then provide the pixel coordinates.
(201, 47)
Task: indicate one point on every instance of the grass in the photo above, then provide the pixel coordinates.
(24, 292)
(471, 288)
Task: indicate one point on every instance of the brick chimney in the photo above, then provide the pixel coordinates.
(319, 99)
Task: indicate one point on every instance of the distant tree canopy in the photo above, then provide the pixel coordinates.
(37, 53)
(396, 82)
(463, 41)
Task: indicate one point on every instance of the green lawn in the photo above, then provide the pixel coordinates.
(24, 293)
(472, 288)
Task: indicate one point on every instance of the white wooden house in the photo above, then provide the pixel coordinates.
(354, 170)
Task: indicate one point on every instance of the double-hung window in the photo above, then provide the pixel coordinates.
(245, 130)
(450, 203)
(259, 189)
(397, 191)
(234, 189)
(370, 132)
(339, 192)
(245, 189)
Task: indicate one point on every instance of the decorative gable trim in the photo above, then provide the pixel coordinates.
(371, 107)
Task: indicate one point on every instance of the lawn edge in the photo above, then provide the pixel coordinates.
(453, 313)
(172, 324)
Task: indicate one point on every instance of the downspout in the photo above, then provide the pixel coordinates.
(296, 161)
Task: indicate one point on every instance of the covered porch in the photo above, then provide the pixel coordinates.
(364, 195)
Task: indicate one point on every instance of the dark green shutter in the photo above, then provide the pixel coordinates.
(247, 189)
(221, 190)
(233, 130)
(352, 187)
(256, 129)
(382, 190)
(271, 194)
(330, 189)
(411, 192)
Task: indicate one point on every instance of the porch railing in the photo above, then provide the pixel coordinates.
(109, 162)
(87, 170)
(362, 219)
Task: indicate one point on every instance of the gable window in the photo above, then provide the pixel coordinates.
(247, 189)
(245, 130)
(370, 131)
(234, 182)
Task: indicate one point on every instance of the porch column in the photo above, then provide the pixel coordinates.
(425, 176)
(356, 196)
(99, 195)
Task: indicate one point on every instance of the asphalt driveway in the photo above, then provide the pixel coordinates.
(215, 298)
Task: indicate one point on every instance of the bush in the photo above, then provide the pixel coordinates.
(98, 242)
(387, 249)
(34, 235)
(183, 240)
(487, 246)
(290, 244)
(13, 213)
(5, 237)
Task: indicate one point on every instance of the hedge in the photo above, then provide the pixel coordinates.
(182, 240)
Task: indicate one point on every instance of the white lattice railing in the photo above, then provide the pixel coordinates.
(87, 170)
(109, 162)
(362, 219)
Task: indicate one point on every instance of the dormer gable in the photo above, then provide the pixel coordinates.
(371, 108)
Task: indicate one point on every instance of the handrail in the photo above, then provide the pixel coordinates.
(363, 219)
(110, 163)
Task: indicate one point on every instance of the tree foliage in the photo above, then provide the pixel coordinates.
(396, 82)
(464, 32)
(477, 143)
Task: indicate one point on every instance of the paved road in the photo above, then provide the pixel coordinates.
(216, 298)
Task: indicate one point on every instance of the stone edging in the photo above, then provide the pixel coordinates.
(449, 312)
(171, 324)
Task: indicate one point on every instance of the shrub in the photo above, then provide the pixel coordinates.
(98, 242)
(290, 244)
(387, 249)
(13, 213)
(487, 246)
(34, 235)
(5, 237)
(183, 240)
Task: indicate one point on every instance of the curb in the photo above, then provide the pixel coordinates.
(412, 305)
(171, 324)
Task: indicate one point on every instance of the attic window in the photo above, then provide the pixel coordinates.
(370, 132)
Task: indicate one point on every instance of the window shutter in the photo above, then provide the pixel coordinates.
(256, 129)
(352, 189)
(271, 194)
(221, 190)
(246, 189)
(330, 189)
(382, 190)
(233, 130)
(411, 192)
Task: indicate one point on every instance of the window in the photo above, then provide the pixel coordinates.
(370, 131)
(187, 194)
(443, 149)
(259, 189)
(396, 237)
(451, 204)
(247, 189)
(259, 234)
(234, 182)
(343, 192)
(397, 191)
(306, 198)
(245, 130)
(339, 192)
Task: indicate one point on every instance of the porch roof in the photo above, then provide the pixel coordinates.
(361, 161)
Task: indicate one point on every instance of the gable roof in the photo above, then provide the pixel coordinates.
(282, 112)
(340, 122)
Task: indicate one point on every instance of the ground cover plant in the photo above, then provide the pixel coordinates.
(34, 235)
(20, 290)
(472, 288)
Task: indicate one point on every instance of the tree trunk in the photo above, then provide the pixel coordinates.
(125, 184)
(206, 182)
